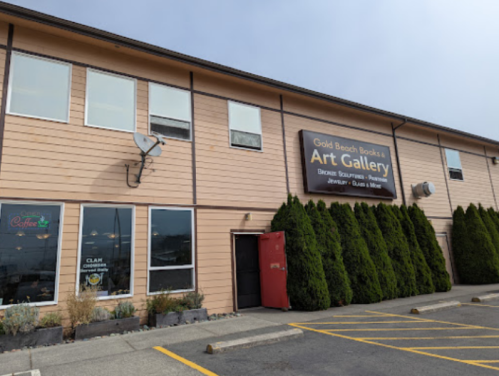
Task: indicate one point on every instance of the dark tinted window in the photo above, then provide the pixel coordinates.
(176, 279)
(106, 249)
(456, 174)
(29, 238)
(171, 237)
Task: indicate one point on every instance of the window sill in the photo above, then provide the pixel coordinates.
(248, 149)
(41, 304)
(170, 292)
(38, 118)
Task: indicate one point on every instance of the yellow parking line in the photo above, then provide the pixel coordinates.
(359, 315)
(427, 338)
(483, 361)
(204, 371)
(452, 348)
(358, 322)
(396, 348)
(390, 329)
(480, 305)
(441, 322)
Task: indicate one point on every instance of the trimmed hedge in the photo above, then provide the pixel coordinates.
(491, 227)
(329, 245)
(306, 284)
(358, 263)
(398, 250)
(461, 245)
(483, 263)
(422, 271)
(431, 249)
(495, 218)
(377, 250)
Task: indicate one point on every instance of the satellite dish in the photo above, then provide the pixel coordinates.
(147, 148)
(146, 145)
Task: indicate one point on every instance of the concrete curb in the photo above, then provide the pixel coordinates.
(484, 298)
(435, 307)
(243, 343)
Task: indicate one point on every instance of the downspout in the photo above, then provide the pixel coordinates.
(398, 159)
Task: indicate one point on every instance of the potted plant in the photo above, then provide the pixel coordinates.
(21, 327)
(193, 301)
(165, 310)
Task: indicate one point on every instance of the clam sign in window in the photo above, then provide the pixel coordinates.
(341, 166)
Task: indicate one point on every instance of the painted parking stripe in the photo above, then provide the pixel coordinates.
(426, 338)
(358, 322)
(452, 347)
(188, 363)
(394, 329)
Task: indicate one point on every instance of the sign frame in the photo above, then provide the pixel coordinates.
(309, 190)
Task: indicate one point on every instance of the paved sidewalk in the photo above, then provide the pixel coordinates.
(133, 354)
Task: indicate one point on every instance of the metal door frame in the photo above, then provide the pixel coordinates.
(233, 233)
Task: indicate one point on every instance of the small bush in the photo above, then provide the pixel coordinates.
(51, 320)
(124, 310)
(20, 318)
(193, 300)
(163, 303)
(491, 227)
(358, 263)
(81, 306)
(462, 248)
(2, 331)
(100, 314)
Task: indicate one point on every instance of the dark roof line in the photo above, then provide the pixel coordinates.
(92, 32)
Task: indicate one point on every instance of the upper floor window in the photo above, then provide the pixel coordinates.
(454, 164)
(169, 111)
(245, 126)
(39, 88)
(110, 101)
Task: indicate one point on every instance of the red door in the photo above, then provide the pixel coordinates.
(273, 270)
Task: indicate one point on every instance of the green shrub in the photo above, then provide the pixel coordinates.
(329, 246)
(2, 331)
(377, 250)
(51, 320)
(398, 250)
(432, 252)
(462, 248)
(484, 263)
(358, 263)
(193, 300)
(81, 305)
(424, 282)
(491, 227)
(164, 303)
(124, 310)
(306, 283)
(494, 216)
(20, 318)
(100, 314)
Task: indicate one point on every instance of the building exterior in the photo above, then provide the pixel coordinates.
(72, 98)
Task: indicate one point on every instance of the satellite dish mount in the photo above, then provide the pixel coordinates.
(147, 148)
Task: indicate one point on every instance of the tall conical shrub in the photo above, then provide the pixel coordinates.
(377, 250)
(491, 227)
(329, 245)
(422, 271)
(306, 284)
(462, 249)
(358, 263)
(398, 250)
(493, 215)
(431, 249)
(484, 264)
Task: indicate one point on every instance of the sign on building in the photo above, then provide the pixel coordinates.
(341, 166)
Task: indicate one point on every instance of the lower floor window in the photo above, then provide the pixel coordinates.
(171, 250)
(29, 253)
(106, 249)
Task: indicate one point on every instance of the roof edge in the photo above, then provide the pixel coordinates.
(32, 15)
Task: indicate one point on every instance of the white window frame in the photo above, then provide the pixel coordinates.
(9, 90)
(59, 248)
(151, 113)
(134, 102)
(448, 167)
(173, 267)
(132, 249)
(259, 123)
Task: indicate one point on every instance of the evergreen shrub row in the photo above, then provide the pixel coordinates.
(339, 256)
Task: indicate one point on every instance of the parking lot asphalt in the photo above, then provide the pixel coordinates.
(461, 341)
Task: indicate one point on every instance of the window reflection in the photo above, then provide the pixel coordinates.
(106, 249)
(29, 236)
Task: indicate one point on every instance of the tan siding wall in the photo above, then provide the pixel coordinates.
(215, 252)
(235, 177)
(294, 124)
(422, 163)
(74, 161)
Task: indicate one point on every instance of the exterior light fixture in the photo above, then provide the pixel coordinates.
(248, 216)
(425, 189)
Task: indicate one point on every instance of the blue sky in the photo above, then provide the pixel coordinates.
(436, 60)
